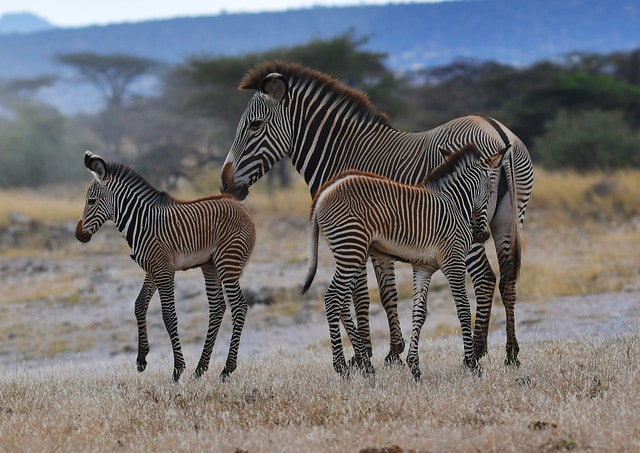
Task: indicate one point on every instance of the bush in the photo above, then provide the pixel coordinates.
(588, 140)
(34, 149)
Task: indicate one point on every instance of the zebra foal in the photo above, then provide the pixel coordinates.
(431, 226)
(166, 235)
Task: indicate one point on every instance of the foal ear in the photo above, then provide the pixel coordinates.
(446, 153)
(96, 165)
(275, 86)
(495, 160)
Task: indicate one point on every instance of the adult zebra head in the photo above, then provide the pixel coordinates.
(98, 207)
(290, 114)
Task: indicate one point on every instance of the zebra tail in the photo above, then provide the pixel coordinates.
(516, 238)
(313, 251)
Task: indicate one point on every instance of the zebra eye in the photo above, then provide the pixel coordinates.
(91, 201)
(255, 125)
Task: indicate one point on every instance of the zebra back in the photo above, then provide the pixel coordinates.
(435, 213)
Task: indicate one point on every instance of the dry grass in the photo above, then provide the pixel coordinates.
(579, 395)
(53, 205)
(583, 236)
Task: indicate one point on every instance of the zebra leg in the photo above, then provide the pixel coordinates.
(500, 229)
(508, 294)
(361, 357)
(141, 307)
(165, 283)
(421, 280)
(385, 275)
(239, 308)
(217, 307)
(484, 283)
(455, 276)
(361, 304)
(334, 299)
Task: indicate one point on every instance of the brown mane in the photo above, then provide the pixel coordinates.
(294, 73)
(447, 167)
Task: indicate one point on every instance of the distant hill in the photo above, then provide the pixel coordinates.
(517, 32)
(22, 23)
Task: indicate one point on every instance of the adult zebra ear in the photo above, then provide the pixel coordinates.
(96, 165)
(275, 86)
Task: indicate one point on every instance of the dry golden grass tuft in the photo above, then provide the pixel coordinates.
(54, 205)
(580, 395)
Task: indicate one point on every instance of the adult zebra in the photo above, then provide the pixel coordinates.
(166, 235)
(325, 128)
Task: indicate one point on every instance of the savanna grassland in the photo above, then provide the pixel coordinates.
(68, 339)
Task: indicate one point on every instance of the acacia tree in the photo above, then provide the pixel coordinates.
(113, 75)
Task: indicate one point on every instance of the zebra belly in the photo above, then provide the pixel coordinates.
(409, 254)
(188, 261)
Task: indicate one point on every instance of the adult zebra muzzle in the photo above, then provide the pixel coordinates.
(81, 235)
(228, 185)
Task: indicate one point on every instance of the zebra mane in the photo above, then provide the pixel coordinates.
(126, 175)
(297, 74)
(464, 155)
(141, 186)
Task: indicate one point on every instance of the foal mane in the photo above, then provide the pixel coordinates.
(295, 74)
(445, 169)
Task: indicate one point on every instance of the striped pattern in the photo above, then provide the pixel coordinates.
(429, 226)
(166, 235)
(326, 128)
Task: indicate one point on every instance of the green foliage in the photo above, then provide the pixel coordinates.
(33, 147)
(208, 85)
(587, 140)
(582, 113)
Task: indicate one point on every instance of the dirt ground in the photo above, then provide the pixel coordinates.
(76, 304)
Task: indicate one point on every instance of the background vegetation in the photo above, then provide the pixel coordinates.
(581, 113)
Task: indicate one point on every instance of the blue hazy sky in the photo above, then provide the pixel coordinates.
(78, 13)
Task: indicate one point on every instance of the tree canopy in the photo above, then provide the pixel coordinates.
(581, 112)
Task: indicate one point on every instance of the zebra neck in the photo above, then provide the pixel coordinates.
(133, 212)
(460, 186)
(320, 154)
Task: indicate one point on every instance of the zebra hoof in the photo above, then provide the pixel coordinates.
(471, 364)
(393, 359)
(197, 374)
(480, 351)
(342, 369)
(417, 375)
(353, 362)
(224, 376)
(512, 362)
(177, 372)
(141, 366)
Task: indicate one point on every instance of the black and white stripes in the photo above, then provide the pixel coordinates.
(166, 235)
(325, 128)
(428, 225)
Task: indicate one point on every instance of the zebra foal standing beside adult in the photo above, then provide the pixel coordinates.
(325, 128)
(166, 235)
(430, 225)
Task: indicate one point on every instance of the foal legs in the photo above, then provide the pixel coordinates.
(141, 307)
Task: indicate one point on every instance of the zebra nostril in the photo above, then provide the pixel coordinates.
(82, 236)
